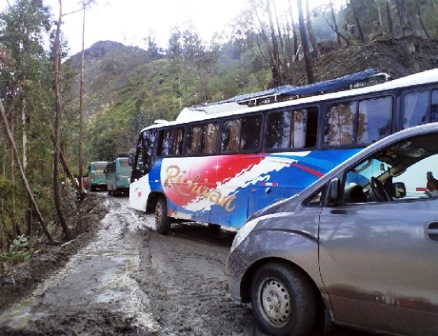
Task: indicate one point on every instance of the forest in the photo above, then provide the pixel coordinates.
(59, 113)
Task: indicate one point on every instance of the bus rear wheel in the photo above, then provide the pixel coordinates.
(162, 221)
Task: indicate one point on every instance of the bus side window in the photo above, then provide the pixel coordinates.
(298, 131)
(250, 134)
(311, 126)
(340, 121)
(278, 129)
(292, 129)
(178, 137)
(415, 106)
(194, 137)
(434, 107)
(374, 122)
(211, 133)
(231, 136)
(164, 143)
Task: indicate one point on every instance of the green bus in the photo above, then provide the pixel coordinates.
(96, 175)
(118, 175)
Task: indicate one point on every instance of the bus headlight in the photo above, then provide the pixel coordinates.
(243, 233)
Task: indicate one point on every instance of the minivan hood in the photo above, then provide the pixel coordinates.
(279, 206)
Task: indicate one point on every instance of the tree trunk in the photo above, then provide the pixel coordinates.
(405, 23)
(335, 24)
(274, 58)
(13, 166)
(56, 132)
(310, 32)
(295, 36)
(356, 19)
(280, 33)
(388, 17)
(23, 175)
(309, 70)
(379, 15)
(420, 17)
(65, 166)
(23, 121)
(81, 108)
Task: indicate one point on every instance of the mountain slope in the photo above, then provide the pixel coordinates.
(124, 91)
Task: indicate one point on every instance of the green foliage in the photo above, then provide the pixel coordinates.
(20, 244)
(15, 257)
(18, 251)
(6, 188)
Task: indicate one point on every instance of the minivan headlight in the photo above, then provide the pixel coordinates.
(243, 233)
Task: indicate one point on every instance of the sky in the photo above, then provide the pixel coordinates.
(131, 21)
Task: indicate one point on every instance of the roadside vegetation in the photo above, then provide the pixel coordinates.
(273, 43)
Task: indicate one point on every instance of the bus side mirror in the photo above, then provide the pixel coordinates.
(131, 159)
(334, 192)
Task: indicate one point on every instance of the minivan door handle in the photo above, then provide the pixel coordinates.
(432, 231)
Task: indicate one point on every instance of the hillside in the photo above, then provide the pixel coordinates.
(397, 57)
(110, 66)
(125, 91)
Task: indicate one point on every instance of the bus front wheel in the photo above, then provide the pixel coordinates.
(162, 221)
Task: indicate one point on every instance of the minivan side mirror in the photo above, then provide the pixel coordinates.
(399, 189)
(334, 192)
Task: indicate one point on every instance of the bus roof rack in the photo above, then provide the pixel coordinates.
(287, 92)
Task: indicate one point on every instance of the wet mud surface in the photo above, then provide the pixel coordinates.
(122, 278)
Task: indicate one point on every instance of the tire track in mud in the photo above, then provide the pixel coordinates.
(95, 293)
(184, 278)
(183, 275)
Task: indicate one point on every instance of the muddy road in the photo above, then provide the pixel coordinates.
(130, 280)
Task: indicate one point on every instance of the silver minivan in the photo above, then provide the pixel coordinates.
(359, 247)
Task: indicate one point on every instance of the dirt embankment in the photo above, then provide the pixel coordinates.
(397, 57)
(23, 279)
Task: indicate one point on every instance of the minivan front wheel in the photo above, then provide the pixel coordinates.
(283, 300)
(162, 221)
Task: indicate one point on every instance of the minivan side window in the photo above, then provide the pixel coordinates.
(406, 171)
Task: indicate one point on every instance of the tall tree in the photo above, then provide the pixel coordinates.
(56, 127)
(357, 21)
(333, 24)
(24, 28)
(177, 63)
(389, 19)
(309, 69)
(403, 16)
(81, 106)
(309, 27)
(420, 18)
(275, 56)
(294, 35)
(23, 175)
